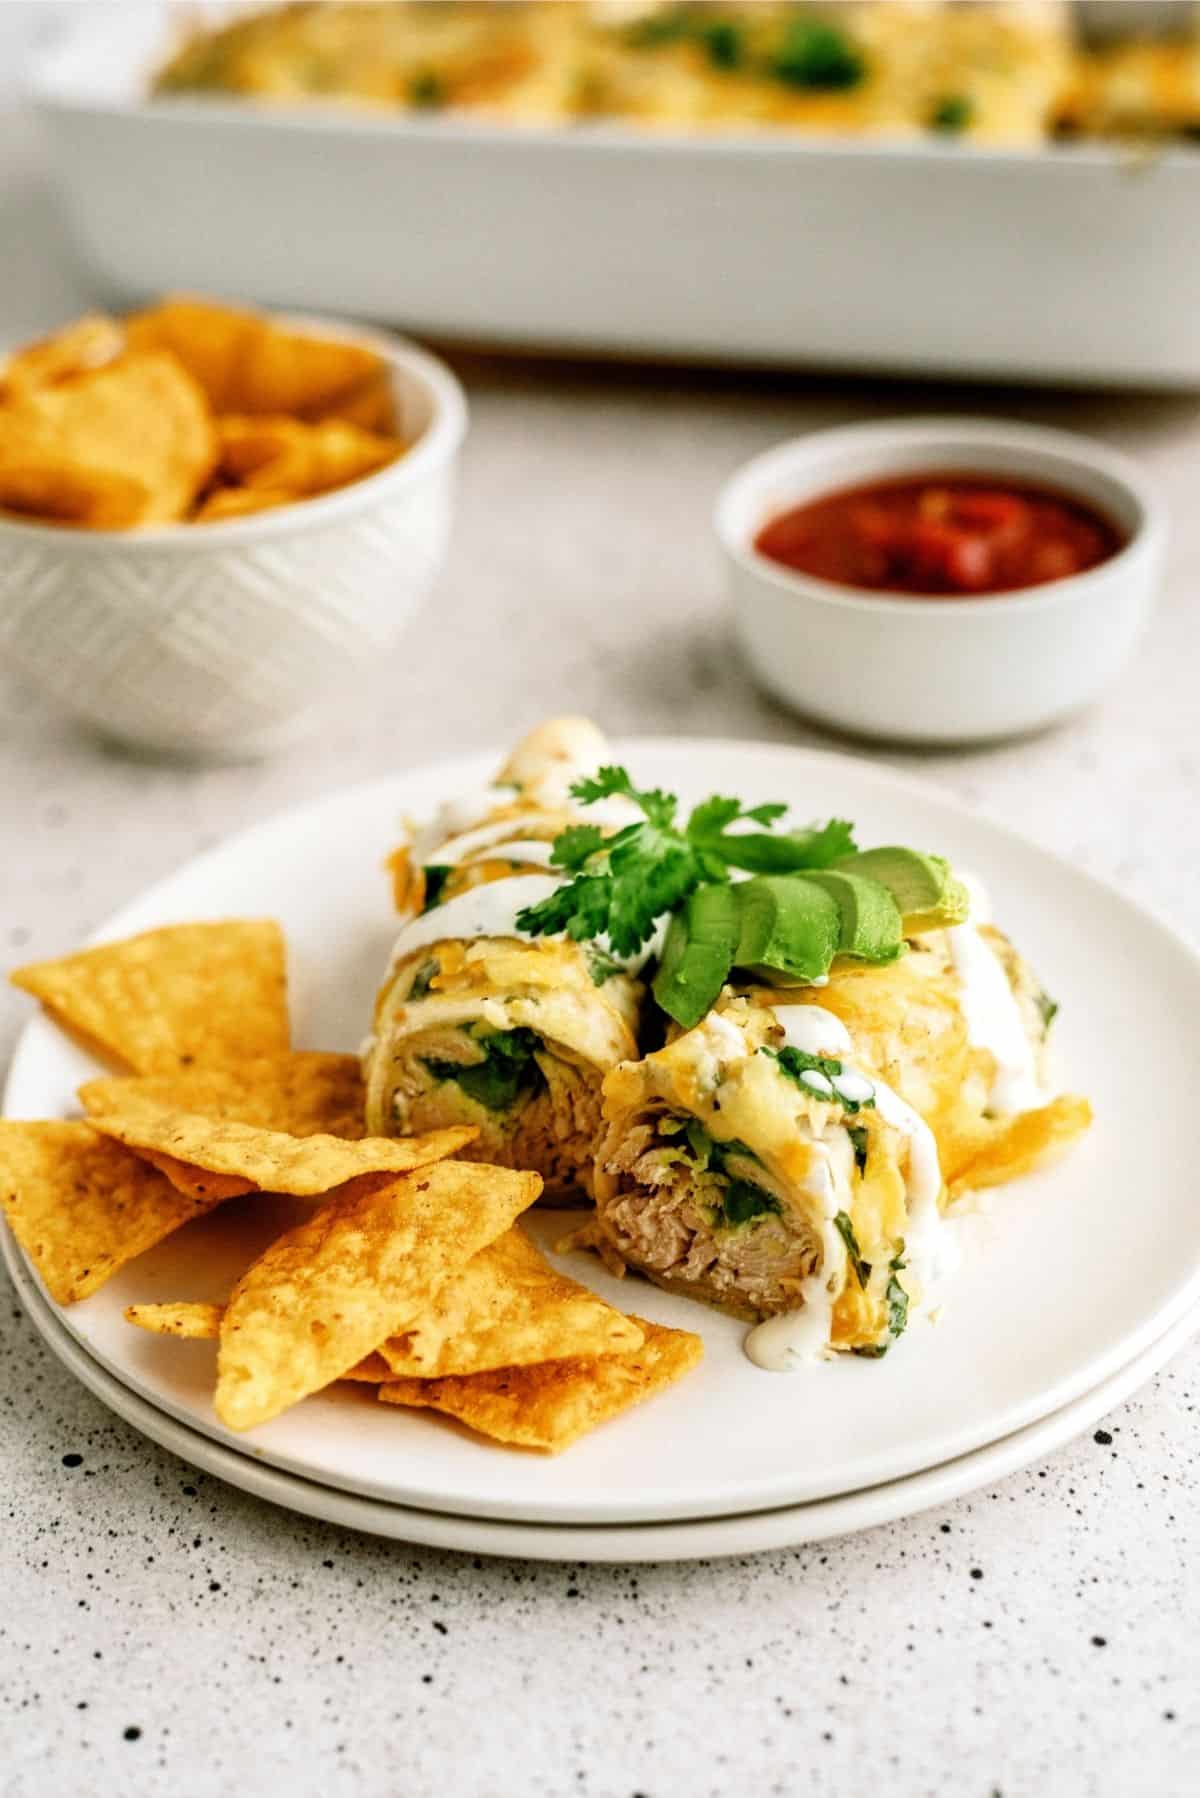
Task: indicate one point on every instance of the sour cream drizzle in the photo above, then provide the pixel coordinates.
(785, 1342)
(993, 1016)
(483, 911)
(465, 847)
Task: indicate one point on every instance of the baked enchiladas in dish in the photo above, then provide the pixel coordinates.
(832, 1047)
(1000, 72)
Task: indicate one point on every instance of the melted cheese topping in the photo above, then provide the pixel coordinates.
(785, 1342)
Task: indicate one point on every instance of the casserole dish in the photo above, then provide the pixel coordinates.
(1072, 264)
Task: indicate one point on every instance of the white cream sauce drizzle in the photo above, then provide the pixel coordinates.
(466, 846)
(491, 910)
(484, 911)
(788, 1341)
(994, 1020)
(785, 1342)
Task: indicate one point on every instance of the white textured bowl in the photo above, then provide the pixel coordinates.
(234, 638)
(939, 670)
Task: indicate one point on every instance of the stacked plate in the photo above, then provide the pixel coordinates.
(1075, 1284)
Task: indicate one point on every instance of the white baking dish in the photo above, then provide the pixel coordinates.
(1078, 264)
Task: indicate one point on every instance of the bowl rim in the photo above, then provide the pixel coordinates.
(436, 445)
(1010, 436)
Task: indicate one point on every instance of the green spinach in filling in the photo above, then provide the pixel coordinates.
(741, 1201)
(507, 1073)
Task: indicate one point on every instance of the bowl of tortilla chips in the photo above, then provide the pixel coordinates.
(213, 521)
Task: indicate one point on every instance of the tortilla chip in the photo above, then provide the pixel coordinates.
(199, 1184)
(1022, 1143)
(305, 1093)
(248, 363)
(191, 1322)
(364, 1267)
(372, 1370)
(270, 1160)
(284, 455)
(129, 444)
(194, 1322)
(91, 342)
(187, 994)
(81, 1206)
(370, 405)
(241, 502)
(550, 1406)
(508, 1308)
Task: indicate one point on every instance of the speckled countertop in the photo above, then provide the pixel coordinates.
(164, 1634)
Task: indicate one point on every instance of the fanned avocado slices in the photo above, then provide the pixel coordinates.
(923, 886)
(789, 926)
(698, 953)
(870, 918)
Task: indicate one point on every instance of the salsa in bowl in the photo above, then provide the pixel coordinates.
(939, 580)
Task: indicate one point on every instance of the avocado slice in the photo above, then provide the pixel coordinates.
(923, 886)
(870, 917)
(697, 954)
(789, 925)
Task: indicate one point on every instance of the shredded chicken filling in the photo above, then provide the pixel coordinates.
(709, 1215)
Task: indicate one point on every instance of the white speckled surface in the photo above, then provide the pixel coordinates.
(160, 1632)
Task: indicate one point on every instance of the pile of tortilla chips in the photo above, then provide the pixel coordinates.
(402, 1268)
(190, 411)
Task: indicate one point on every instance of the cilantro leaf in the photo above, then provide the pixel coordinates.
(575, 846)
(818, 847)
(612, 782)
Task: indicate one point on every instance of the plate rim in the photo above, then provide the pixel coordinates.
(753, 1532)
(471, 765)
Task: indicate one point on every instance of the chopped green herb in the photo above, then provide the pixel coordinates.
(845, 1230)
(897, 1303)
(1047, 1009)
(507, 1072)
(436, 877)
(952, 114)
(427, 91)
(723, 44)
(797, 1063)
(859, 1138)
(817, 55)
(423, 979)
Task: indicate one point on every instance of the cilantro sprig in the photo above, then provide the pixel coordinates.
(618, 886)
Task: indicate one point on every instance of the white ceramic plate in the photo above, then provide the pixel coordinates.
(1066, 1279)
(701, 1539)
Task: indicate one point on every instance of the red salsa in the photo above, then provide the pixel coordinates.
(938, 535)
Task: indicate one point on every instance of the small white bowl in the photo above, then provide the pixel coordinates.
(939, 670)
(232, 639)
